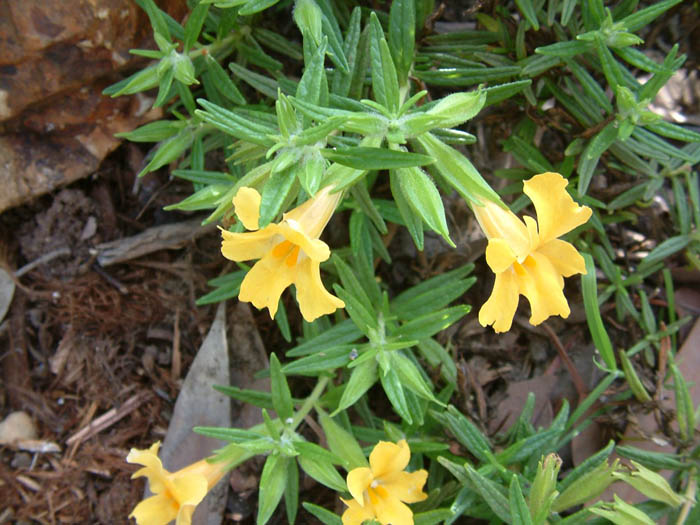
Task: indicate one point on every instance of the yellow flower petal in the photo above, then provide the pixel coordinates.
(246, 204)
(499, 255)
(359, 480)
(250, 245)
(184, 517)
(153, 468)
(355, 514)
(564, 257)
(543, 287)
(315, 249)
(313, 215)
(557, 213)
(407, 486)
(389, 508)
(501, 223)
(156, 510)
(265, 281)
(501, 305)
(314, 300)
(189, 489)
(387, 458)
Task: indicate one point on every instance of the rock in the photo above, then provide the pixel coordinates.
(15, 427)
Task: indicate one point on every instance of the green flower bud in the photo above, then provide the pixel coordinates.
(587, 487)
(621, 513)
(651, 484)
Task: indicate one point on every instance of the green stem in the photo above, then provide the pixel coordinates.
(310, 401)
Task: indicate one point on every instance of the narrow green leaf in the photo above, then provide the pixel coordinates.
(366, 158)
(361, 379)
(600, 336)
(519, 512)
(272, 482)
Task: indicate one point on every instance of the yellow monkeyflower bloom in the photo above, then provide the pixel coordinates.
(290, 253)
(382, 490)
(527, 257)
(176, 493)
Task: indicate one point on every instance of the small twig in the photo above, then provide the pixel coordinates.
(107, 419)
(110, 279)
(176, 365)
(575, 376)
(42, 260)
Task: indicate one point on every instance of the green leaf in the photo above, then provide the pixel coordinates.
(411, 220)
(653, 460)
(366, 158)
(194, 25)
(491, 492)
(281, 395)
(362, 378)
(425, 199)
(341, 333)
(410, 376)
(402, 36)
(642, 17)
(393, 387)
(457, 170)
(431, 323)
(529, 12)
(320, 468)
(313, 81)
(633, 379)
(326, 516)
(564, 49)
(156, 16)
(665, 250)
(255, 6)
(385, 83)
(222, 81)
(169, 150)
(601, 340)
(274, 194)
(342, 443)
(457, 108)
(153, 131)
(272, 483)
(235, 124)
(291, 492)
(685, 412)
(519, 512)
(590, 156)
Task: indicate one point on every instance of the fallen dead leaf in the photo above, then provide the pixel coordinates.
(198, 404)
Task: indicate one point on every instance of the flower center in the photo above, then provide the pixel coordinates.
(288, 251)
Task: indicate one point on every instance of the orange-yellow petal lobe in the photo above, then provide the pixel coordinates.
(359, 479)
(389, 509)
(499, 255)
(557, 213)
(156, 510)
(387, 458)
(153, 468)
(250, 245)
(407, 486)
(246, 204)
(500, 308)
(564, 257)
(543, 287)
(355, 514)
(184, 517)
(498, 222)
(265, 281)
(314, 248)
(314, 300)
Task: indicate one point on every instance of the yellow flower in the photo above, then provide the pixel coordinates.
(290, 253)
(527, 257)
(177, 493)
(378, 491)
